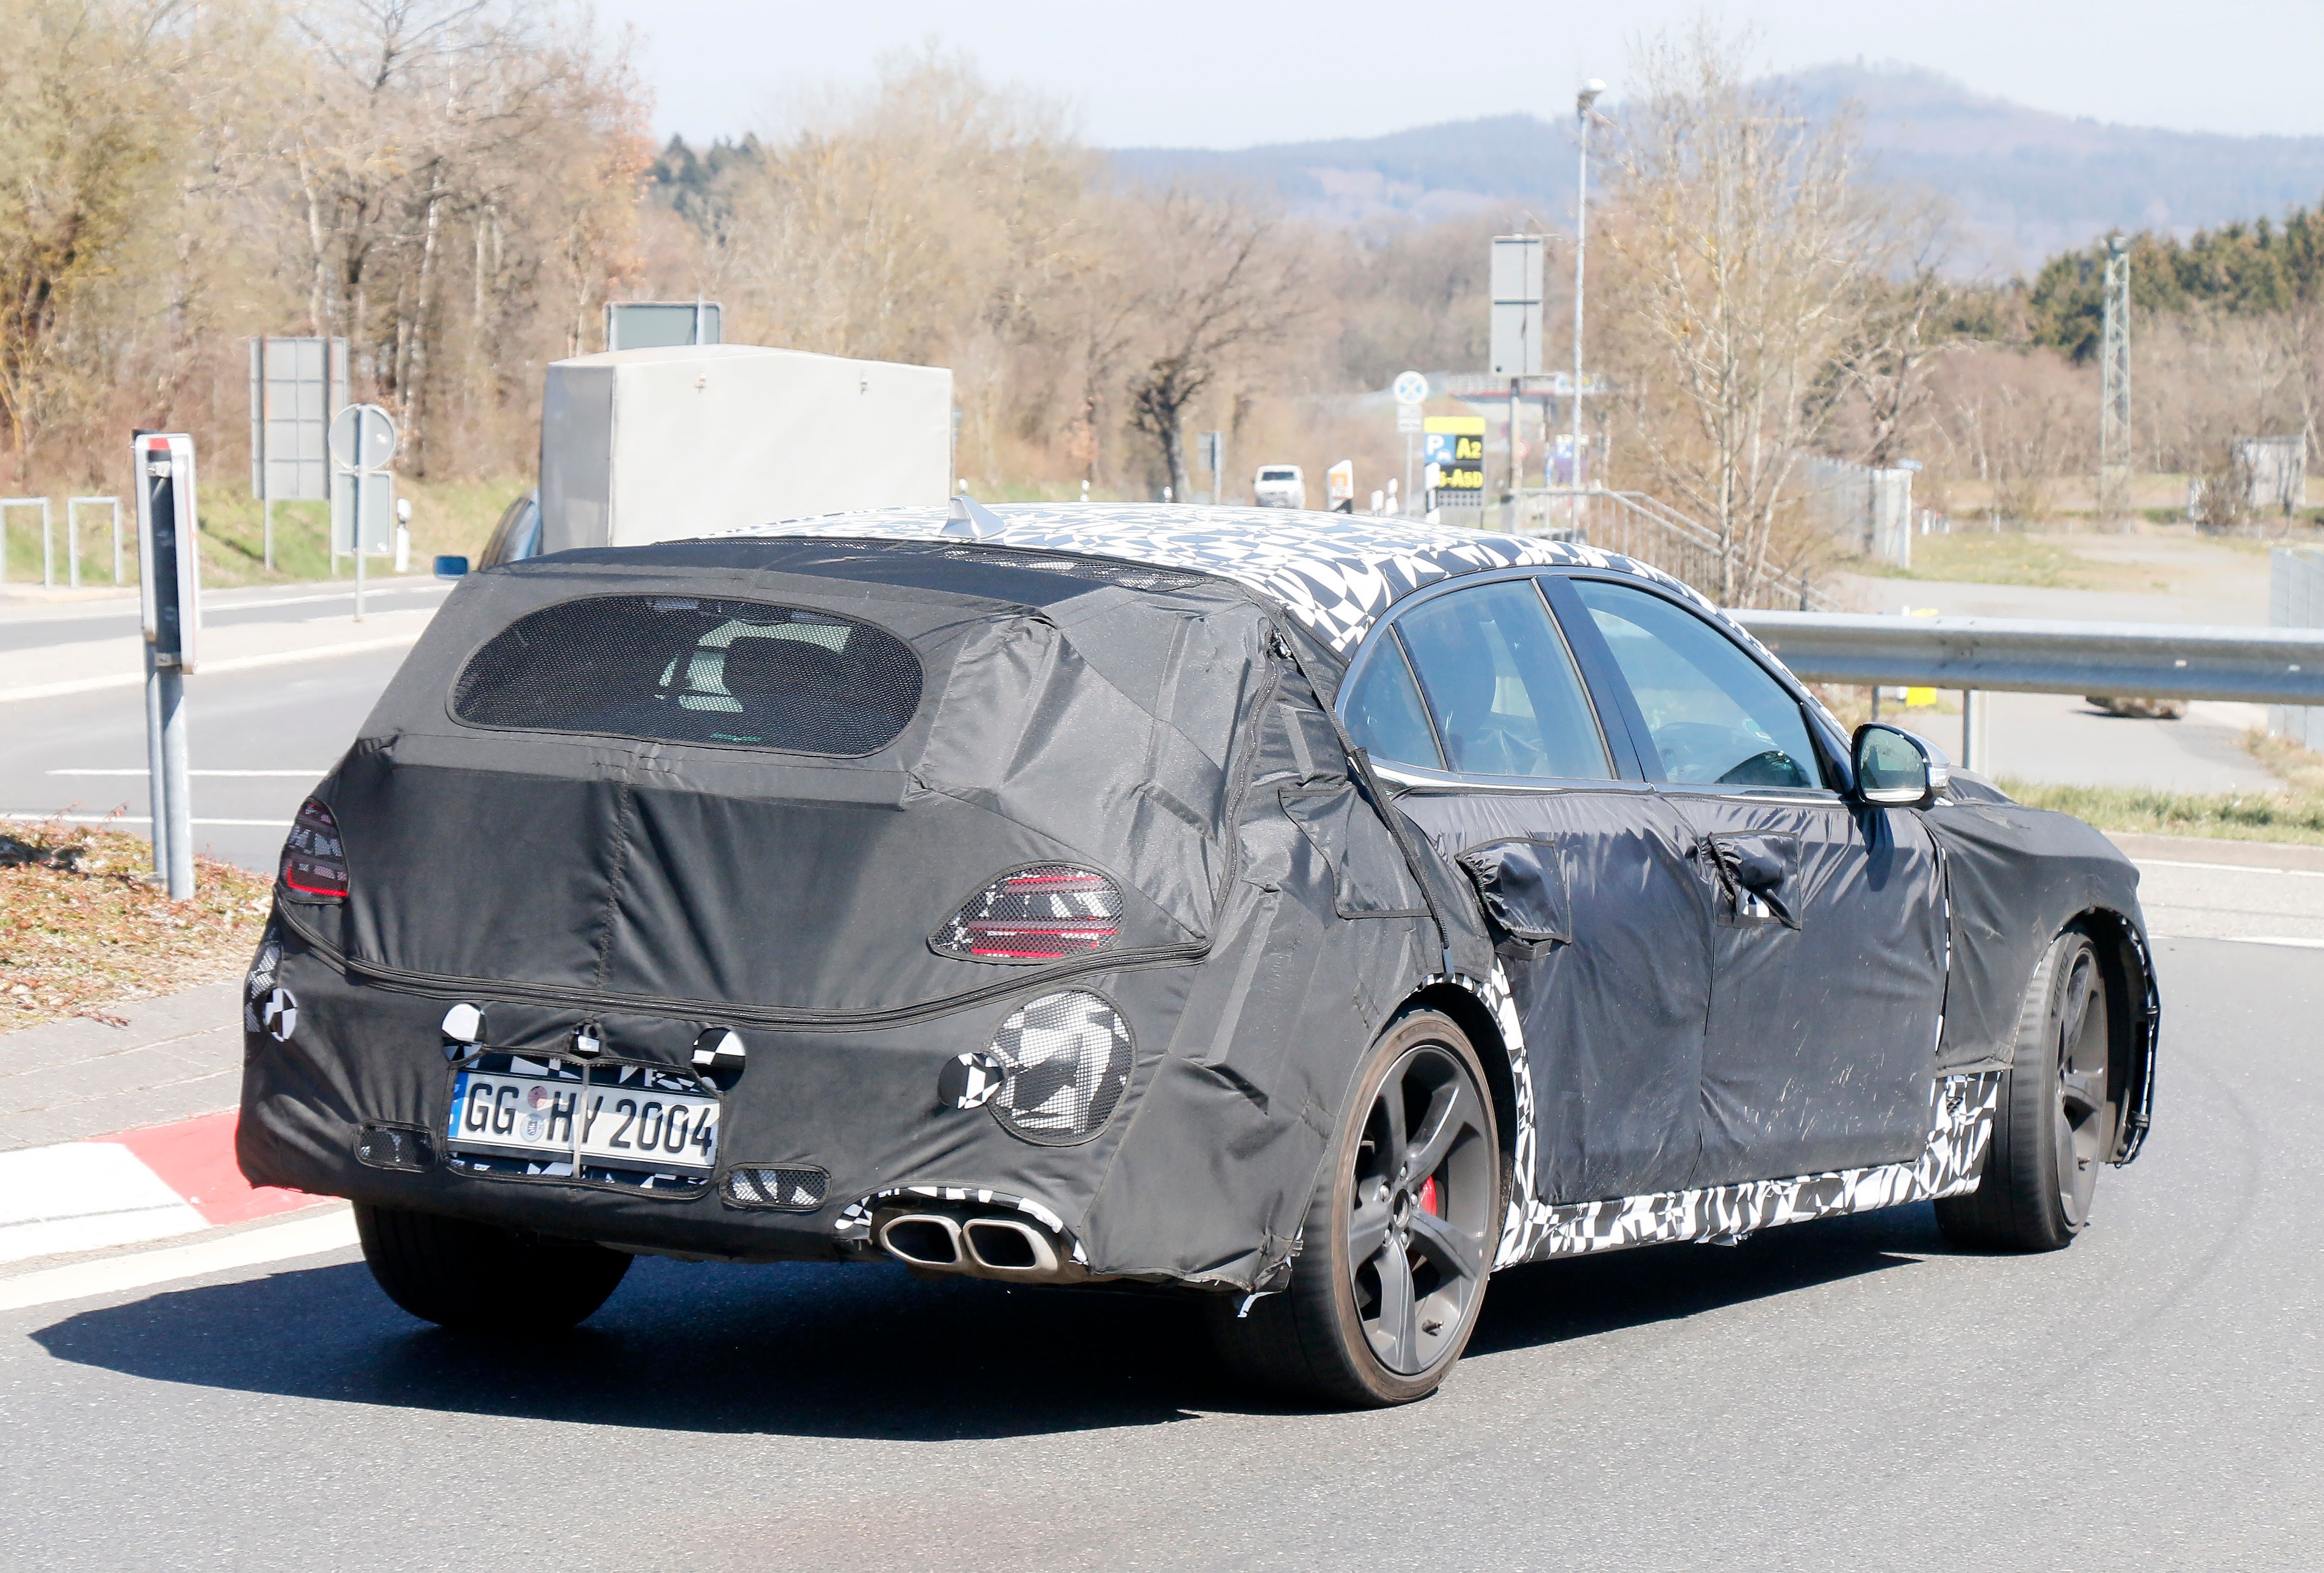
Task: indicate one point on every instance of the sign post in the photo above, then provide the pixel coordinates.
(362, 440)
(1214, 454)
(170, 606)
(1411, 391)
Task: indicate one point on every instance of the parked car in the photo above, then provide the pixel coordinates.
(1279, 485)
(1310, 913)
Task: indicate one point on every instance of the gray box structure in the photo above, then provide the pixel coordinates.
(641, 445)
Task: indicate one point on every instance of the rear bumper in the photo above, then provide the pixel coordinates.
(1190, 1181)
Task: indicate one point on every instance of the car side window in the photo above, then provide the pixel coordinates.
(1501, 687)
(1384, 713)
(1715, 715)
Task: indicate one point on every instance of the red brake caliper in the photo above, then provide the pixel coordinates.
(1429, 1202)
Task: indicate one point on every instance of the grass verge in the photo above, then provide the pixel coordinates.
(82, 927)
(2293, 815)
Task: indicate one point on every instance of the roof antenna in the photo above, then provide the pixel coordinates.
(971, 520)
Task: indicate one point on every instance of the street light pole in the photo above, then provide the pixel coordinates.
(1581, 102)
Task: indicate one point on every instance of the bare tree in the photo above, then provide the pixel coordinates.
(1222, 287)
(1750, 254)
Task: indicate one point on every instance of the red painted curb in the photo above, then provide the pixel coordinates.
(195, 1157)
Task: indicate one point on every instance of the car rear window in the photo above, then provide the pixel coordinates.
(676, 668)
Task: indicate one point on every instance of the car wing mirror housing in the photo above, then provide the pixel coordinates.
(1897, 770)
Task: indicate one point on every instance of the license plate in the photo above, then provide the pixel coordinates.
(607, 1117)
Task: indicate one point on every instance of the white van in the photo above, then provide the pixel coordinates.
(1279, 485)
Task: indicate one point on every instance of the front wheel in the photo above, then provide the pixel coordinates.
(1399, 1240)
(478, 1279)
(2055, 1125)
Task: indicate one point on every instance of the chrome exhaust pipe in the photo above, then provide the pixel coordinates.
(923, 1240)
(1009, 1248)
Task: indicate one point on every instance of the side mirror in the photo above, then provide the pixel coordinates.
(451, 568)
(1896, 770)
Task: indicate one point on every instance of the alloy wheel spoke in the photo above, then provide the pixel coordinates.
(1398, 1140)
(1453, 1111)
(1397, 1334)
(1442, 1242)
(1368, 1228)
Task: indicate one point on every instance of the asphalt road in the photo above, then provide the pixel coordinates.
(84, 754)
(1848, 1395)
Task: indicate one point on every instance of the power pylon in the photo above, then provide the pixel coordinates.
(2114, 387)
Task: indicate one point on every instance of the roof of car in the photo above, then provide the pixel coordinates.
(1335, 572)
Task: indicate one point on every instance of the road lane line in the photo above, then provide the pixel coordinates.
(123, 679)
(2273, 939)
(143, 771)
(2229, 867)
(305, 1235)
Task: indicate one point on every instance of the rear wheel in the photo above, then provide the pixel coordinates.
(2055, 1125)
(1399, 1240)
(476, 1277)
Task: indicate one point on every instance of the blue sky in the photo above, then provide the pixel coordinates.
(1210, 73)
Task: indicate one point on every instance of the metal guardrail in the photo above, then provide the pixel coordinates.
(1641, 525)
(2162, 661)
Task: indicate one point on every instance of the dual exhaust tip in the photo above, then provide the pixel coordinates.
(982, 1246)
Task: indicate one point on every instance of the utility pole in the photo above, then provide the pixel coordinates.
(2114, 387)
(1582, 100)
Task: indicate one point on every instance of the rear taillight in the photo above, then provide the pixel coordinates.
(1047, 913)
(314, 863)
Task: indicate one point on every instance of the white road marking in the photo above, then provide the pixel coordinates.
(122, 680)
(80, 1196)
(142, 771)
(2273, 939)
(307, 1235)
(2224, 867)
(135, 820)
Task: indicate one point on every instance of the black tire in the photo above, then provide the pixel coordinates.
(1394, 1258)
(2057, 1119)
(475, 1278)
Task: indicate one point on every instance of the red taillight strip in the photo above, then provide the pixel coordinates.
(1085, 916)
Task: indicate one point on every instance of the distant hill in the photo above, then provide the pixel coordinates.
(2027, 183)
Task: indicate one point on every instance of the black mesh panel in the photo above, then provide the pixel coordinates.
(681, 669)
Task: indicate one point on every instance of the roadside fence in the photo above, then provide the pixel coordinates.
(73, 505)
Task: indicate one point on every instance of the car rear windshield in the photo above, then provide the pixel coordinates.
(680, 669)
(1278, 474)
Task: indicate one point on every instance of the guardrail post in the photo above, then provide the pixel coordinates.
(1968, 754)
(48, 548)
(73, 505)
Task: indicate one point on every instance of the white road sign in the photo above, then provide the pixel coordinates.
(363, 437)
(1409, 388)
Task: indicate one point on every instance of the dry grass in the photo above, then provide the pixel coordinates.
(83, 927)
(2287, 816)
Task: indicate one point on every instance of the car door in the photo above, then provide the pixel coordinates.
(1826, 915)
(1471, 704)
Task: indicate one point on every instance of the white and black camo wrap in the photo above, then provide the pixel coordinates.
(1336, 573)
(1960, 1123)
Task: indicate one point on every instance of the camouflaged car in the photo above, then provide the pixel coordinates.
(1310, 913)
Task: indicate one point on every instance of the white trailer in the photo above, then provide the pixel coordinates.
(640, 445)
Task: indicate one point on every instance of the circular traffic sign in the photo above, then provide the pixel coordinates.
(363, 437)
(1409, 388)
